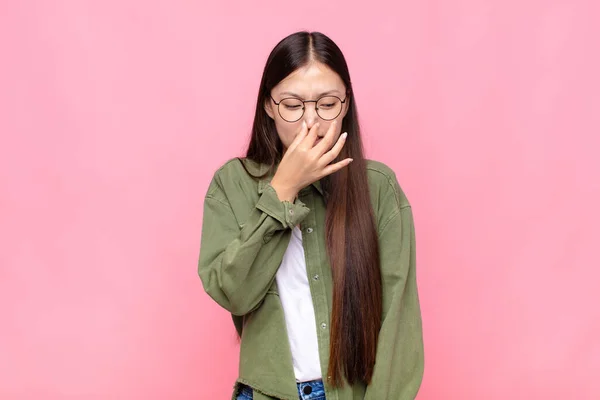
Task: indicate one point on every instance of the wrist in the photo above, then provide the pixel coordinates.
(284, 193)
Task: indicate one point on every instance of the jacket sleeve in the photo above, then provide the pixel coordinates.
(399, 362)
(238, 263)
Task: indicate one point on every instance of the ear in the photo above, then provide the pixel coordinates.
(268, 106)
(346, 105)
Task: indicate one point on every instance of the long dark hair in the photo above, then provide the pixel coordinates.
(351, 234)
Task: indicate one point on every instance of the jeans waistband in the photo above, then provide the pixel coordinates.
(311, 390)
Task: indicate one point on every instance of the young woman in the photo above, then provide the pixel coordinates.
(310, 246)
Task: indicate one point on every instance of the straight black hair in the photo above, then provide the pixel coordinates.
(351, 233)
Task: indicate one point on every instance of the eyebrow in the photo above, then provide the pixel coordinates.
(322, 94)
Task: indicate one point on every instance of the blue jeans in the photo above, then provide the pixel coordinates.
(311, 390)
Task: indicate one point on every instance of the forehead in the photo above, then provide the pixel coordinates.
(311, 80)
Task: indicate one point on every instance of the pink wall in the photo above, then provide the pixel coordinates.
(114, 115)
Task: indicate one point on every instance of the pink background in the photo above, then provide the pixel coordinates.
(115, 114)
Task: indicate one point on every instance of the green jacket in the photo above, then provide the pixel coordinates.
(245, 232)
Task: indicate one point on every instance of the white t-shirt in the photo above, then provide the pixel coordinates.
(294, 292)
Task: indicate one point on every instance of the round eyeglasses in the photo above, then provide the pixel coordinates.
(291, 109)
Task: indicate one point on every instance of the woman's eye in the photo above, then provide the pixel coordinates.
(327, 105)
(291, 107)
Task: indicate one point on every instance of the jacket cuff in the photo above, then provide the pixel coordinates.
(289, 214)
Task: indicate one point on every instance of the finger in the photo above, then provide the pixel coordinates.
(299, 136)
(328, 140)
(330, 169)
(335, 150)
(309, 141)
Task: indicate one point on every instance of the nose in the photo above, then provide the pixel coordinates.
(310, 115)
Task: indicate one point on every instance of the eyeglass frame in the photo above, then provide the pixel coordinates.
(309, 101)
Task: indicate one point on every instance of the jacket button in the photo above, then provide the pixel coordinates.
(309, 230)
(324, 325)
(291, 212)
(307, 389)
(316, 277)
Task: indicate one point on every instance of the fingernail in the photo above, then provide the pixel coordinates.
(303, 124)
(344, 135)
